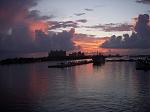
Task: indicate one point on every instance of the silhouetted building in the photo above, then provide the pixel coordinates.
(57, 53)
(77, 54)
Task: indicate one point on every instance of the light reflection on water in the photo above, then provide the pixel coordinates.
(113, 87)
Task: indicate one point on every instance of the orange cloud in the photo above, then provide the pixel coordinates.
(89, 44)
(38, 25)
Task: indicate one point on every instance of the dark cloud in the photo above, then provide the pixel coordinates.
(35, 15)
(18, 41)
(55, 41)
(118, 27)
(17, 29)
(139, 40)
(143, 1)
(62, 24)
(65, 24)
(79, 14)
(14, 11)
(82, 20)
(112, 27)
(42, 41)
(87, 9)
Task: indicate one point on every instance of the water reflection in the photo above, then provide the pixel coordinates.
(37, 83)
(114, 86)
(14, 85)
(142, 86)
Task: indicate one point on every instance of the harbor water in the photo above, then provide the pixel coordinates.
(112, 87)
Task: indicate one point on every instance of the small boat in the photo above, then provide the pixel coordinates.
(142, 64)
(98, 59)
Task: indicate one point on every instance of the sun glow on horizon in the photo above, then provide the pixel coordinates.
(89, 44)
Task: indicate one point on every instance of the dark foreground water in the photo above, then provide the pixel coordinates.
(113, 87)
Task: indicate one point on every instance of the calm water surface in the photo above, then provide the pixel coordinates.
(113, 87)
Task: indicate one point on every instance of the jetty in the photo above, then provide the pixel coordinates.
(70, 64)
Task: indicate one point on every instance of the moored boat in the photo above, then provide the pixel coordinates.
(98, 59)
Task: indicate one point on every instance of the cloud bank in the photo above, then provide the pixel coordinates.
(143, 1)
(23, 30)
(112, 27)
(140, 39)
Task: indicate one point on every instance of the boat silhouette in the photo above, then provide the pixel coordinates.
(98, 59)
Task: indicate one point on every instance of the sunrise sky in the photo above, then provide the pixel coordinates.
(71, 25)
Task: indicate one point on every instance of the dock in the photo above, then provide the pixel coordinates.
(70, 64)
